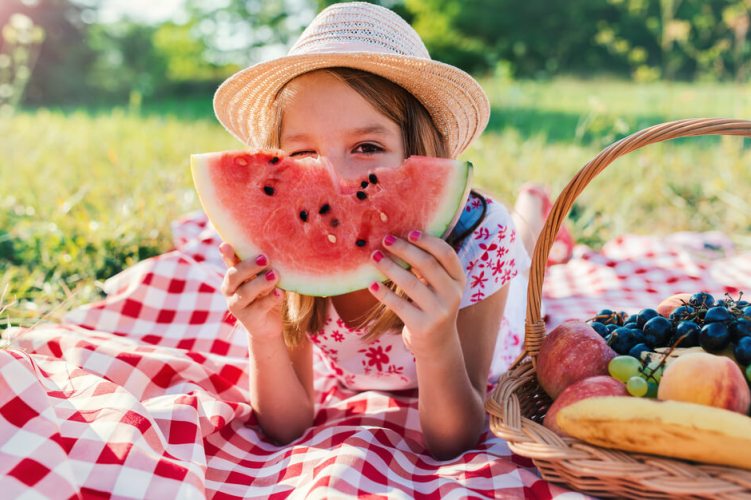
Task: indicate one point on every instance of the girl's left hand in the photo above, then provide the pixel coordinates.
(430, 309)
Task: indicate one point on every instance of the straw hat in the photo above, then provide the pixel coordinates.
(362, 36)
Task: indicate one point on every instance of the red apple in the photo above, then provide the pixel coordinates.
(601, 385)
(572, 352)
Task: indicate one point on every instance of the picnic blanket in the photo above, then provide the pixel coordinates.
(144, 394)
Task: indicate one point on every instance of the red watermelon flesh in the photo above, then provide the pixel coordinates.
(317, 229)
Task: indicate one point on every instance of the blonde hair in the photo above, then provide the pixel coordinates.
(303, 313)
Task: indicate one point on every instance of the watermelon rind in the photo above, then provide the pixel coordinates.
(444, 219)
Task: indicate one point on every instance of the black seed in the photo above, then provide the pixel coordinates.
(361, 195)
(268, 190)
(360, 243)
(364, 184)
(373, 179)
(325, 208)
(304, 215)
(275, 160)
(334, 222)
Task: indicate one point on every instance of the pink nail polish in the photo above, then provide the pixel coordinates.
(270, 276)
(414, 235)
(277, 293)
(377, 256)
(389, 240)
(375, 286)
(261, 260)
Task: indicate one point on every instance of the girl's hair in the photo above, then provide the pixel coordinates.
(420, 136)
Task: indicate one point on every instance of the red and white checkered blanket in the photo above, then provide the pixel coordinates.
(143, 395)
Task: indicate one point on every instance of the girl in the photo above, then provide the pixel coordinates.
(359, 88)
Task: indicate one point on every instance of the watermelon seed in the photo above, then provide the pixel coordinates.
(275, 160)
(364, 184)
(332, 238)
(324, 209)
(304, 215)
(361, 195)
(241, 161)
(360, 243)
(334, 222)
(373, 179)
(268, 190)
(384, 217)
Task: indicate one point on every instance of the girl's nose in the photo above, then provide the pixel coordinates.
(344, 167)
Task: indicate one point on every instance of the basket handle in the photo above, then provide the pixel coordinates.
(534, 325)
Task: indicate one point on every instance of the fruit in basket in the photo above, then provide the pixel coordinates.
(706, 379)
(742, 351)
(714, 337)
(657, 331)
(669, 304)
(601, 385)
(671, 428)
(571, 352)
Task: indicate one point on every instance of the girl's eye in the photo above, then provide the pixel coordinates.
(303, 153)
(367, 148)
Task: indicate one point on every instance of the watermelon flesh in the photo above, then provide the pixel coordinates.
(317, 229)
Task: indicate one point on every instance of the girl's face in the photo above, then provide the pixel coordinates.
(323, 116)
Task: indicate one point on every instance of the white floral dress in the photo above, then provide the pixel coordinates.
(492, 256)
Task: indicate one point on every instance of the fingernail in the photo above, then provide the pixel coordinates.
(223, 248)
(270, 276)
(377, 256)
(414, 235)
(261, 260)
(375, 286)
(389, 240)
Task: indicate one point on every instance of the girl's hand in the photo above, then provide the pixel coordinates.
(251, 297)
(434, 289)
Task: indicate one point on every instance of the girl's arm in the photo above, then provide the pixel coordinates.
(281, 387)
(453, 381)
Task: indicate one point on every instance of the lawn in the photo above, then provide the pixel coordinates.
(87, 192)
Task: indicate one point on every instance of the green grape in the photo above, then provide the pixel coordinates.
(748, 373)
(637, 386)
(624, 367)
(652, 389)
(654, 371)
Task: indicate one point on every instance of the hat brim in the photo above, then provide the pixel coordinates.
(458, 105)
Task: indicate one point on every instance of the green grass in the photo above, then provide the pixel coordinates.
(86, 193)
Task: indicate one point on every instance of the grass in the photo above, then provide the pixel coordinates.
(86, 193)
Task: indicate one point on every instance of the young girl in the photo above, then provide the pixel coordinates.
(359, 88)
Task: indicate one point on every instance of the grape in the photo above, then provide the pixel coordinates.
(644, 316)
(623, 339)
(600, 328)
(608, 317)
(611, 327)
(739, 328)
(632, 325)
(746, 312)
(691, 331)
(638, 349)
(624, 367)
(637, 386)
(657, 331)
(630, 319)
(742, 351)
(652, 389)
(654, 371)
(748, 373)
(717, 315)
(681, 313)
(741, 304)
(714, 337)
(701, 299)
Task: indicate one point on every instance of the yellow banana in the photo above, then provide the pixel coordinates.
(670, 428)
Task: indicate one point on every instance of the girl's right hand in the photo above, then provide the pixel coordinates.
(249, 287)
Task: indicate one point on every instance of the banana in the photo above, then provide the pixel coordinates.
(670, 428)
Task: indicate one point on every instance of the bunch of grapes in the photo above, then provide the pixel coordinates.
(715, 325)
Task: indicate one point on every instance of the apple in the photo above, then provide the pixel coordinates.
(600, 385)
(707, 379)
(572, 352)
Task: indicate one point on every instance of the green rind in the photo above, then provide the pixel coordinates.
(444, 220)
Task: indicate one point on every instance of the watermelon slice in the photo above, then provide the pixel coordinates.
(319, 230)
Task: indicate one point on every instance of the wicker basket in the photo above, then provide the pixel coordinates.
(518, 404)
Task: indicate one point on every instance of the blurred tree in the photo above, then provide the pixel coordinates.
(18, 54)
(64, 55)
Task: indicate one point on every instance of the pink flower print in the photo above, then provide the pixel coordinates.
(337, 336)
(507, 275)
(477, 296)
(377, 356)
(396, 369)
(512, 238)
(479, 280)
(482, 233)
(476, 203)
(349, 380)
(487, 248)
(501, 252)
(498, 267)
(501, 231)
(471, 265)
(340, 322)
